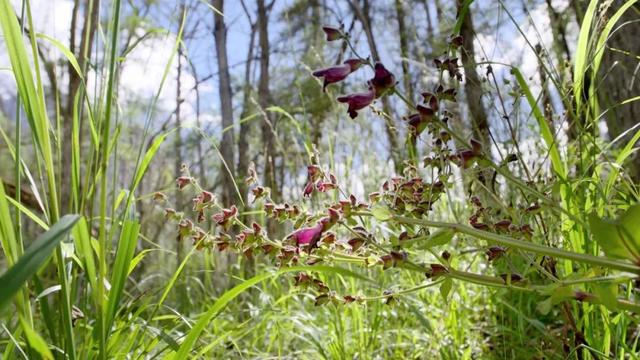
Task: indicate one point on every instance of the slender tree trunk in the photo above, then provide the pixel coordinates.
(226, 106)
(425, 3)
(559, 34)
(363, 14)
(245, 127)
(440, 15)
(473, 86)
(317, 43)
(264, 100)
(404, 49)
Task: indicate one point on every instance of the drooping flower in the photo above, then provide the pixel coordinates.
(382, 81)
(308, 189)
(357, 101)
(308, 236)
(225, 218)
(183, 181)
(337, 73)
(323, 186)
(332, 33)
(418, 122)
(495, 252)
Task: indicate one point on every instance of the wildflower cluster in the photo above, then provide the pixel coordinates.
(339, 232)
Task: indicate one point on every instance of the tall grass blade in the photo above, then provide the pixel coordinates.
(198, 328)
(34, 257)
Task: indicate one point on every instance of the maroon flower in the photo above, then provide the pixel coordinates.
(431, 100)
(511, 278)
(382, 80)
(259, 192)
(183, 181)
(418, 122)
(308, 189)
(203, 199)
(464, 158)
(502, 225)
(476, 146)
(225, 217)
(308, 236)
(337, 73)
(456, 41)
(358, 101)
(326, 186)
(159, 196)
(356, 243)
(495, 252)
(332, 33)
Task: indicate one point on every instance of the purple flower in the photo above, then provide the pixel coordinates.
(357, 101)
(308, 189)
(337, 73)
(382, 80)
(308, 236)
(332, 33)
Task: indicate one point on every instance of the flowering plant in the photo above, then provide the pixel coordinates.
(340, 233)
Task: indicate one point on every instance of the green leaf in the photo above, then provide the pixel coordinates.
(381, 213)
(33, 258)
(445, 288)
(619, 238)
(607, 293)
(440, 237)
(124, 254)
(561, 293)
(65, 51)
(545, 130)
(36, 342)
(544, 306)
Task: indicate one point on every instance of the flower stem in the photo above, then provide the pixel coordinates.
(524, 245)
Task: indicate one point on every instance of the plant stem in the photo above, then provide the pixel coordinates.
(524, 245)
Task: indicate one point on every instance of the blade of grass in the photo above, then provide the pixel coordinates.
(33, 258)
(103, 150)
(582, 53)
(198, 328)
(124, 255)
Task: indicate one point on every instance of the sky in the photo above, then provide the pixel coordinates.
(498, 40)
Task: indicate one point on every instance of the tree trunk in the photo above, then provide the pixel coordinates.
(619, 80)
(363, 14)
(226, 106)
(404, 49)
(245, 127)
(264, 100)
(473, 86)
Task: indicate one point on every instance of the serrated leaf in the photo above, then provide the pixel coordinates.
(381, 213)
